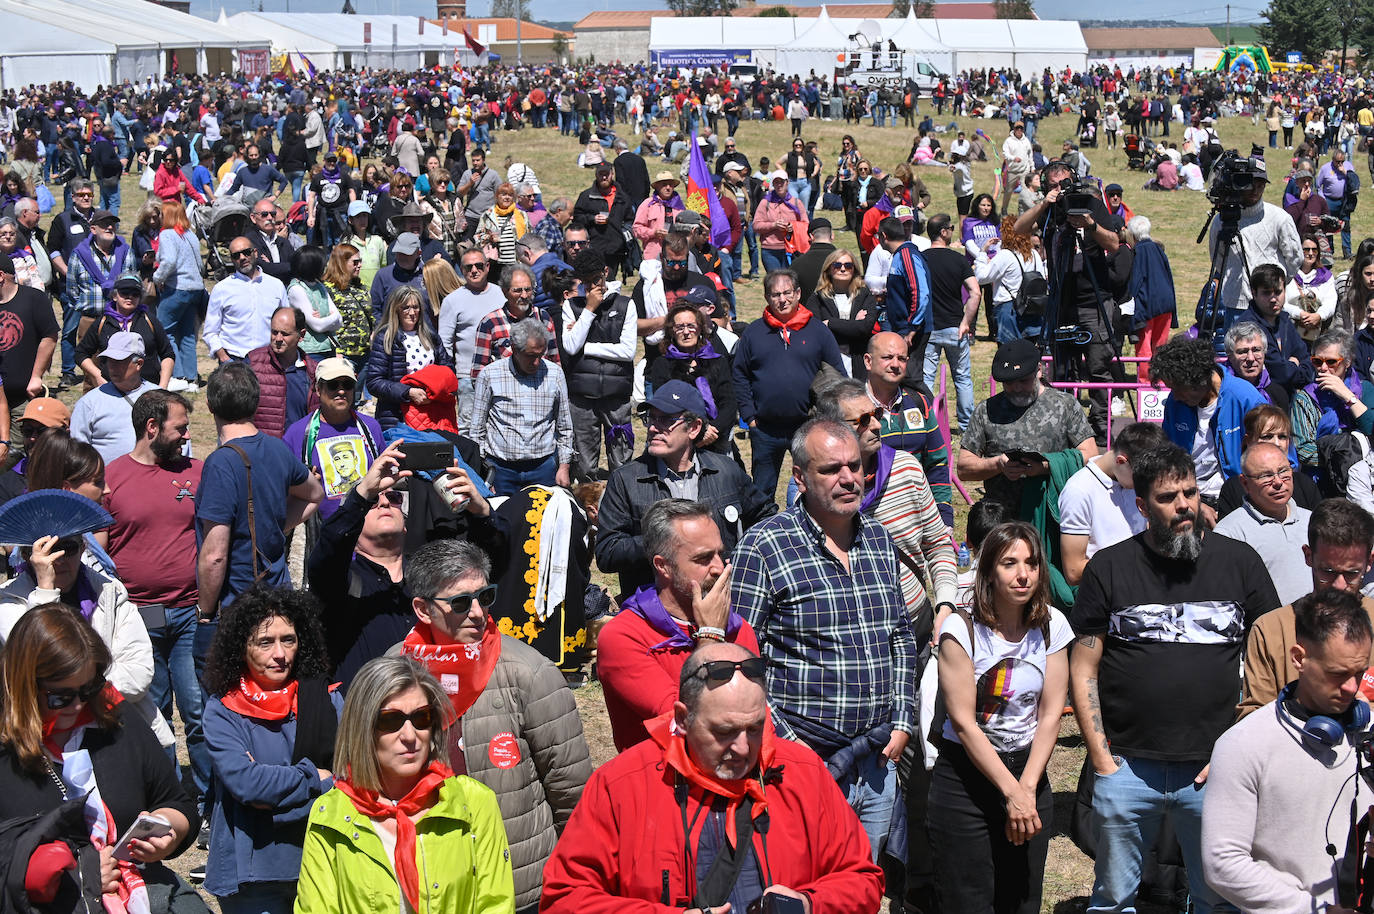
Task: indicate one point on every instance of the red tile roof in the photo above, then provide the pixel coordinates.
(1148, 38)
(505, 29)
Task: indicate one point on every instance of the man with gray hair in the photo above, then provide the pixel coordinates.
(687, 603)
(1246, 350)
(32, 236)
(533, 251)
(551, 228)
(68, 229)
(521, 414)
(518, 731)
(819, 585)
(493, 331)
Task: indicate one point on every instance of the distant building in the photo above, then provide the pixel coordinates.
(181, 6)
(1146, 47)
(453, 9)
(537, 42)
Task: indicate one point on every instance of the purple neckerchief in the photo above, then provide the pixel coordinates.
(788, 199)
(880, 474)
(86, 596)
(884, 205)
(672, 203)
(1335, 413)
(118, 255)
(645, 603)
(703, 386)
(1262, 385)
(1321, 275)
(124, 320)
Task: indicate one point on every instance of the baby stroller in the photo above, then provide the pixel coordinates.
(1135, 152)
(1088, 135)
(219, 225)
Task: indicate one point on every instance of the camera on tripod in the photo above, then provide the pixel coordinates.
(1233, 178)
(1076, 197)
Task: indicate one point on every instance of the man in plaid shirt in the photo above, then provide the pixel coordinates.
(493, 331)
(819, 585)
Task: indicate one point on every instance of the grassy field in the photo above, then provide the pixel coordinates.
(1177, 218)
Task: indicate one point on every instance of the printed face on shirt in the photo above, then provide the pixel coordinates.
(270, 653)
(343, 463)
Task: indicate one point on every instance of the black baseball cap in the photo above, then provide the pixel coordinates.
(1015, 360)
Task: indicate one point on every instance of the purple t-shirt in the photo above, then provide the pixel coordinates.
(979, 231)
(340, 456)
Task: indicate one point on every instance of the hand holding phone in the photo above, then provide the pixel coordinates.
(145, 826)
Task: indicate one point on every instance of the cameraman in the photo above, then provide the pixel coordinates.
(1267, 234)
(1077, 246)
(1283, 780)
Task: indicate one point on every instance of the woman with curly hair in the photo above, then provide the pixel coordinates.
(270, 722)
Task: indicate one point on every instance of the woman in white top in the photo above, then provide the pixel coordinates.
(1004, 674)
(1004, 272)
(1310, 298)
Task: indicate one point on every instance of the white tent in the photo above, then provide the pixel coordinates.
(111, 41)
(814, 48)
(338, 41)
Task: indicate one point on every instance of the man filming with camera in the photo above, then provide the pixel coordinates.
(1276, 819)
(1264, 233)
(1079, 234)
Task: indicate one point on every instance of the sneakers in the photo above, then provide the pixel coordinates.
(1120, 407)
(203, 839)
(197, 873)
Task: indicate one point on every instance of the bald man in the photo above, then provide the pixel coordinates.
(1270, 521)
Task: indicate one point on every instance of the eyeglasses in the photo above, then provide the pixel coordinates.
(569, 242)
(1327, 363)
(394, 498)
(675, 263)
(842, 265)
(338, 384)
(391, 720)
(1307, 250)
(58, 699)
(462, 602)
(266, 217)
(83, 193)
(405, 308)
(241, 252)
(1265, 479)
(685, 328)
(874, 415)
(354, 260)
(753, 669)
(661, 422)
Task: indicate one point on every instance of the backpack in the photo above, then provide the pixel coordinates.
(1336, 455)
(1034, 296)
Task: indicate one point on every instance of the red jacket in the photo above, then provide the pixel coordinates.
(440, 412)
(638, 682)
(622, 850)
(271, 415)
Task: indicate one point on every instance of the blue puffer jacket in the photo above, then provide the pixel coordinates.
(252, 765)
(1228, 422)
(384, 373)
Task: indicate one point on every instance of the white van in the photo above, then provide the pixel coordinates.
(743, 72)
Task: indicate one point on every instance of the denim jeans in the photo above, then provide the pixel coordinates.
(774, 259)
(296, 178)
(801, 190)
(1008, 326)
(467, 392)
(765, 461)
(71, 327)
(1334, 205)
(1129, 806)
(747, 242)
(260, 898)
(727, 277)
(956, 352)
(109, 199)
(177, 313)
(871, 791)
(509, 477)
(174, 673)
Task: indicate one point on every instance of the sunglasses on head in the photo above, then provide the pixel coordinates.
(718, 671)
(58, 699)
(391, 720)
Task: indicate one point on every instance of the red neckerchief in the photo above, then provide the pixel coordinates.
(420, 798)
(462, 669)
(795, 322)
(674, 744)
(252, 701)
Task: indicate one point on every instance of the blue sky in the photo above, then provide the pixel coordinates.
(1183, 10)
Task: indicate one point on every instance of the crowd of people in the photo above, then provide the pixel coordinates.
(453, 391)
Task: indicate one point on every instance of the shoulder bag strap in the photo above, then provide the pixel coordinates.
(252, 522)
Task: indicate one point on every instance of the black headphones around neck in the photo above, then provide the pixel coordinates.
(1321, 728)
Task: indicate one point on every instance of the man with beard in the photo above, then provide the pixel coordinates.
(819, 585)
(1012, 431)
(641, 651)
(152, 498)
(257, 174)
(1160, 619)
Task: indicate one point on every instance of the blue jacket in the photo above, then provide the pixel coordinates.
(384, 373)
(547, 261)
(1227, 428)
(1284, 342)
(773, 379)
(1151, 285)
(252, 844)
(908, 291)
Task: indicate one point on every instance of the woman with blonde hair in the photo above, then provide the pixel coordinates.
(354, 303)
(1004, 272)
(400, 831)
(403, 342)
(843, 303)
(180, 290)
(502, 226)
(440, 280)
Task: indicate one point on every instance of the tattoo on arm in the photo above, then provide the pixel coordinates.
(1099, 733)
(1088, 641)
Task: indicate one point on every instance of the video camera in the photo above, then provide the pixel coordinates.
(1233, 177)
(1076, 197)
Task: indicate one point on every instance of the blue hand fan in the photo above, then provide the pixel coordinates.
(49, 512)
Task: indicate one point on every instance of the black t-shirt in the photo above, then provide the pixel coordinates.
(948, 270)
(1174, 630)
(1069, 264)
(24, 320)
(331, 194)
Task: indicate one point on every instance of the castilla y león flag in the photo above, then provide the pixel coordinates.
(702, 197)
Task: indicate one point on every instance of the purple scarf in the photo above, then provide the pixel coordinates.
(1335, 413)
(672, 203)
(1320, 276)
(101, 278)
(124, 321)
(645, 603)
(86, 596)
(884, 205)
(703, 387)
(788, 199)
(880, 474)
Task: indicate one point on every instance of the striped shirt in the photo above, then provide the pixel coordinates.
(925, 551)
(909, 424)
(493, 338)
(839, 645)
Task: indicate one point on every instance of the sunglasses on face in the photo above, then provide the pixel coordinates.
(241, 252)
(576, 244)
(338, 384)
(462, 602)
(1327, 363)
(391, 720)
(675, 263)
(473, 267)
(58, 699)
(724, 670)
(842, 265)
(1309, 250)
(874, 415)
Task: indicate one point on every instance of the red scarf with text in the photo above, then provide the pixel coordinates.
(421, 797)
(664, 731)
(797, 321)
(463, 670)
(251, 700)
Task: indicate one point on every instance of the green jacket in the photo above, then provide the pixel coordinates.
(1040, 508)
(461, 855)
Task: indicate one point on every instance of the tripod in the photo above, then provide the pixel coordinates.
(1212, 313)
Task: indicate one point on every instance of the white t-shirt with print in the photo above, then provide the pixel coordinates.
(1009, 677)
